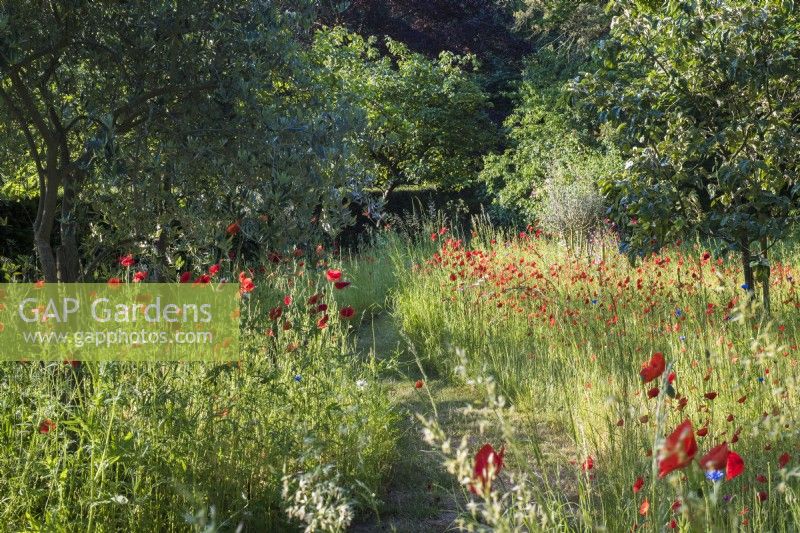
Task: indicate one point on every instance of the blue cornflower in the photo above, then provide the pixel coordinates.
(683, 338)
(761, 379)
(298, 377)
(594, 302)
(715, 475)
(746, 286)
(678, 312)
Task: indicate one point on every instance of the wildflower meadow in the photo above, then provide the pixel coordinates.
(399, 265)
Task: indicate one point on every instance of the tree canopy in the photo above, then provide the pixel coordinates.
(705, 100)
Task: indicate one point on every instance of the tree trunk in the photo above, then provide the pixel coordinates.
(49, 179)
(747, 269)
(69, 267)
(765, 277)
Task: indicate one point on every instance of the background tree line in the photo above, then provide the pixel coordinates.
(152, 126)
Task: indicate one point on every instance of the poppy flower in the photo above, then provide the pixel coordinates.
(114, 281)
(185, 277)
(233, 228)
(322, 323)
(488, 463)
(678, 449)
(46, 426)
(341, 284)
(203, 279)
(644, 508)
(710, 395)
(213, 269)
(762, 496)
(653, 368)
(638, 484)
(703, 431)
(716, 458)
(761, 478)
(245, 284)
(314, 299)
(287, 300)
(734, 466)
(347, 312)
(127, 261)
(333, 275)
(419, 384)
(588, 464)
(275, 313)
(652, 393)
(783, 460)
(139, 276)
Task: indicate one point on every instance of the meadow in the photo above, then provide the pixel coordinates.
(591, 392)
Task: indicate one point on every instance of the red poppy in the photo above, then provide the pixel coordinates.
(762, 496)
(127, 261)
(46, 426)
(347, 312)
(322, 323)
(702, 432)
(678, 450)
(341, 284)
(114, 281)
(275, 313)
(783, 460)
(734, 466)
(204, 278)
(287, 300)
(488, 464)
(213, 269)
(653, 368)
(322, 308)
(588, 464)
(652, 393)
(710, 395)
(638, 484)
(245, 284)
(185, 277)
(644, 508)
(761, 478)
(418, 384)
(233, 228)
(314, 299)
(139, 276)
(333, 275)
(716, 458)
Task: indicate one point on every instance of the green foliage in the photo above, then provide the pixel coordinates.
(183, 117)
(571, 24)
(704, 97)
(545, 140)
(426, 119)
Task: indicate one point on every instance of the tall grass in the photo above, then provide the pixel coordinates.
(564, 339)
(182, 446)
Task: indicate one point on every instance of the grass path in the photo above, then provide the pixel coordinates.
(420, 495)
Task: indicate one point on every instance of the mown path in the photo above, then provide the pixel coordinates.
(420, 495)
